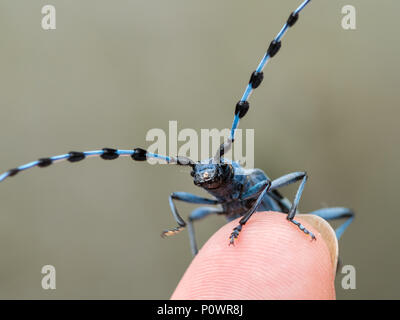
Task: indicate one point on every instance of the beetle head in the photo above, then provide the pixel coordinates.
(211, 175)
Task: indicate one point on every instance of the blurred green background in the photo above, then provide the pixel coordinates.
(112, 70)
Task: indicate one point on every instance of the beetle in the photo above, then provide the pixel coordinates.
(238, 192)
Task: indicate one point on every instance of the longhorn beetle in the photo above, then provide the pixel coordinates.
(238, 191)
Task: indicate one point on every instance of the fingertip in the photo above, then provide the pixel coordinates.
(271, 259)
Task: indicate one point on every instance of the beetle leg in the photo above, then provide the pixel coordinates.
(336, 213)
(186, 197)
(197, 214)
(289, 179)
(259, 190)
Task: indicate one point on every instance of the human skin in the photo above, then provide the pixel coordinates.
(271, 259)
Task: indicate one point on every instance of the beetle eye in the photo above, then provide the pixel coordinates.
(192, 173)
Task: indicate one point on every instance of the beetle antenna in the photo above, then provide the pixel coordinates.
(137, 154)
(257, 77)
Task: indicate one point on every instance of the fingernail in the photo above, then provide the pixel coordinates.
(327, 233)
